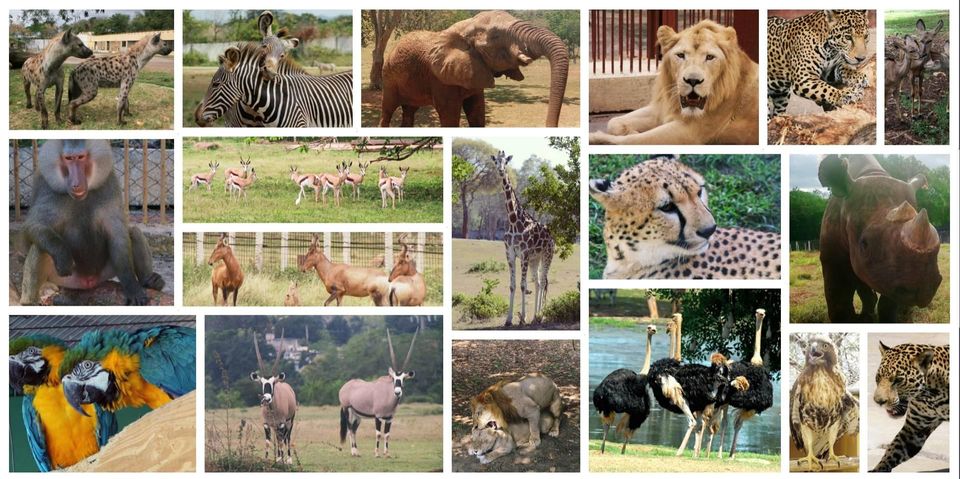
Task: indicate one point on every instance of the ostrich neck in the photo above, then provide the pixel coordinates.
(646, 358)
(756, 359)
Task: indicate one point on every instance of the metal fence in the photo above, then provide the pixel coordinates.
(280, 251)
(144, 167)
(625, 41)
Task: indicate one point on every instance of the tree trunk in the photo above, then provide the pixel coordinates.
(384, 23)
(464, 225)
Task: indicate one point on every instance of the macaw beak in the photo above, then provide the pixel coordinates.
(98, 387)
(26, 372)
(17, 371)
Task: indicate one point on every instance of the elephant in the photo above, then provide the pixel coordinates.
(451, 69)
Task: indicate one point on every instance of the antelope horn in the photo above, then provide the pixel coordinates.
(919, 234)
(902, 213)
(256, 348)
(410, 351)
(393, 357)
(276, 362)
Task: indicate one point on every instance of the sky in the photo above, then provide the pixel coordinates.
(223, 15)
(15, 14)
(803, 169)
(524, 148)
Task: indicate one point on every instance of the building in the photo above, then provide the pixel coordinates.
(118, 42)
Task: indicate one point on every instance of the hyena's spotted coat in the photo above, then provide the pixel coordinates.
(45, 69)
(116, 70)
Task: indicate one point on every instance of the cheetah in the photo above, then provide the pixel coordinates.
(45, 69)
(817, 56)
(658, 226)
(116, 70)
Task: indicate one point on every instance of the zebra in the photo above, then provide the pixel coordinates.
(241, 92)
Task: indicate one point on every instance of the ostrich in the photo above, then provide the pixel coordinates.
(749, 403)
(689, 389)
(624, 392)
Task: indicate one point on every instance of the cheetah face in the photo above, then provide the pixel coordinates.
(848, 34)
(655, 211)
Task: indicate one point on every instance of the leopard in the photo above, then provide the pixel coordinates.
(912, 381)
(658, 226)
(817, 56)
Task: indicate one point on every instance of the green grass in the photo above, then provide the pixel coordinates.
(509, 104)
(647, 458)
(151, 105)
(196, 79)
(564, 275)
(416, 440)
(488, 266)
(271, 198)
(901, 22)
(807, 304)
(743, 191)
(610, 322)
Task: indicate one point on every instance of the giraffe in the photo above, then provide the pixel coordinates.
(527, 239)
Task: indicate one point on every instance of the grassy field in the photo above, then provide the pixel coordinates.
(416, 440)
(902, 22)
(564, 275)
(151, 105)
(509, 104)
(645, 458)
(271, 198)
(195, 83)
(807, 304)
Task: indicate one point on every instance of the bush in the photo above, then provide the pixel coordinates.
(565, 309)
(458, 299)
(487, 266)
(194, 58)
(486, 304)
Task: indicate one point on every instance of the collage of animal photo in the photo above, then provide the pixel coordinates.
(417, 237)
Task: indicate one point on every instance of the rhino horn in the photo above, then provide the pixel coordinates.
(919, 235)
(902, 213)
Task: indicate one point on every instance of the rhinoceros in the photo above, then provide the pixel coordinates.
(873, 241)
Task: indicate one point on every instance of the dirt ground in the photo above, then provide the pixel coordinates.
(479, 364)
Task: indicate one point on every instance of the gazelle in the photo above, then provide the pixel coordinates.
(924, 38)
(239, 185)
(334, 182)
(378, 399)
(204, 178)
(278, 404)
(398, 182)
(231, 172)
(385, 183)
(344, 280)
(306, 180)
(900, 64)
(407, 287)
(227, 277)
(354, 179)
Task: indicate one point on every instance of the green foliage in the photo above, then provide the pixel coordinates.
(485, 304)
(743, 191)
(902, 22)
(152, 20)
(806, 213)
(564, 309)
(458, 299)
(461, 171)
(936, 132)
(487, 266)
(193, 59)
(556, 193)
(936, 197)
(241, 25)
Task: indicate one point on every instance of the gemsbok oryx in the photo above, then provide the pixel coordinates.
(378, 399)
(278, 405)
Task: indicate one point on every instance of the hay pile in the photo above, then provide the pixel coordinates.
(165, 440)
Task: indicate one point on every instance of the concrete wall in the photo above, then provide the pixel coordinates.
(213, 50)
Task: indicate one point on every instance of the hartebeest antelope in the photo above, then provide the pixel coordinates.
(378, 399)
(227, 276)
(398, 182)
(239, 185)
(385, 183)
(334, 182)
(278, 405)
(306, 180)
(344, 280)
(293, 295)
(231, 172)
(204, 178)
(354, 179)
(407, 287)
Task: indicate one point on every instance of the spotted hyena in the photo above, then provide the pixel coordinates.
(116, 70)
(45, 69)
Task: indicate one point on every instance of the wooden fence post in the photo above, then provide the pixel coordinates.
(126, 179)
(346, 247)
(421, 244)
(163, 182)
(36, 151)
(146, 191)
(16, 179)
(283, 250)
(199, 246)
(388, 249)
(258, 252)
(326, 244)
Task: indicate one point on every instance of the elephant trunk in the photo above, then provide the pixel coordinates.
(542, 42)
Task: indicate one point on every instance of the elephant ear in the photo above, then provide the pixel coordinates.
(454, 62)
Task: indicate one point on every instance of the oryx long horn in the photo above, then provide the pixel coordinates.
(256, 347)
(410, 351)
(393, 357)
(276, 362)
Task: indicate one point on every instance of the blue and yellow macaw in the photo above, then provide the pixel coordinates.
(116, 369)
(58, 435)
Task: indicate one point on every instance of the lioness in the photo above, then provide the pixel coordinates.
(705, 93)
(507, 414)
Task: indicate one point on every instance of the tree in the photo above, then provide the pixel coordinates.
(556, 194)
(472, 172)
(395, 149)
(382, 24)
(806, 213)
(152, 20)
(116, 23)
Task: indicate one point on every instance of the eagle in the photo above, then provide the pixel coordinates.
(821, 409)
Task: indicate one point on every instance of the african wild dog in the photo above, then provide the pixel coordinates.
(45, 69)
(116, 70)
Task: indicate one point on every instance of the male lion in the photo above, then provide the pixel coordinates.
(507, 414)
(705, 93)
